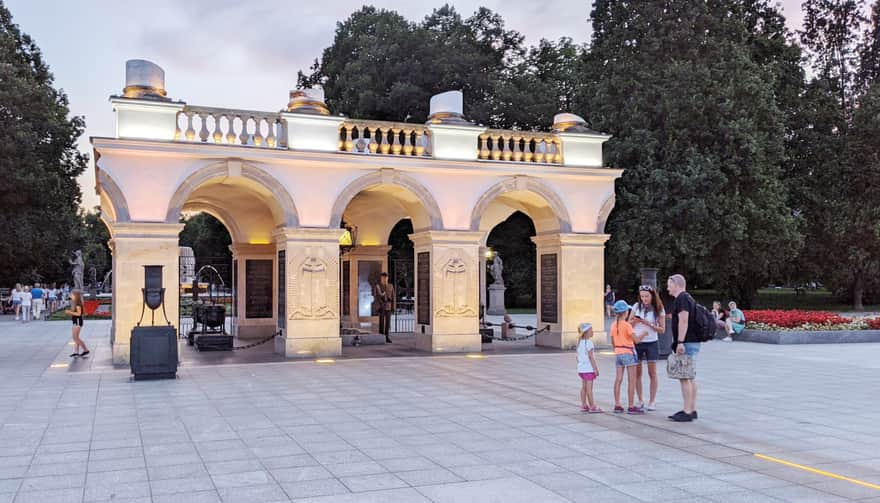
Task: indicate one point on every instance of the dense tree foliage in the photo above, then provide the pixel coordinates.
(690, 96)
(39, 164)
(511, 240)
(210, 241)
(836, 171)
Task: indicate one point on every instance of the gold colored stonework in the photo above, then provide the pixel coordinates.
(144, 92)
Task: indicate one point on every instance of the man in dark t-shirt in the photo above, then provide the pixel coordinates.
(684, 340)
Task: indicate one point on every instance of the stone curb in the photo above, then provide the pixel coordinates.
(808, 337)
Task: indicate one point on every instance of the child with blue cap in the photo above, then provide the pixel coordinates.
(587, 368)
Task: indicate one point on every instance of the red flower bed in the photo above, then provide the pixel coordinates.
(795, 318)
(91, 306)
(873, 323)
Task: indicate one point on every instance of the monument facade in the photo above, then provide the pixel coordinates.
(288, 181)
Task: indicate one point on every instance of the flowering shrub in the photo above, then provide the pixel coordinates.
(91, 308)
(806, 320)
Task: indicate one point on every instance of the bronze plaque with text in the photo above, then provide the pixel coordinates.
(549, 289)
(258, 288)
(423, 288)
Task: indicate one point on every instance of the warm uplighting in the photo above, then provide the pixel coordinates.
(259, 242)
(490, 253)
(325, 360)
(345, 239)
(476, 356)
(59, 365)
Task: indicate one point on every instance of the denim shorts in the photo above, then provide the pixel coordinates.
(692, 348)
(626, 360)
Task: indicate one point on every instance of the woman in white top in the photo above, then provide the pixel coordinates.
(16, 301)
(26, 301)
(648, 319)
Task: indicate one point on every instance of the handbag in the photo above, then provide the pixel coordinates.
(680, 366)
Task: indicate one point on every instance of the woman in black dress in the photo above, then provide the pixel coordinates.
(76, 313)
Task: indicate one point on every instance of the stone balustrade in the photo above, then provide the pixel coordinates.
(384, 138)
(520, 146)
(232, 127)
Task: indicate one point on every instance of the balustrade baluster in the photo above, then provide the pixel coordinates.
(203, 133)
(243, 137)
(349, 143)
(395, 141)
(419, 143)
(384, 147)
(407, 142)
(190, 130)
(374, 143)
(506, 153)
(230, 129)
(177, 131)
(540, 149)
(270, 140)
(217, 134)
(483, 149)
(496, 147)
(258, 130)
(517, 152)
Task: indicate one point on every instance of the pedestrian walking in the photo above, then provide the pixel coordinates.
(587, 368)
(649, 320)
(383, 299)
(37, 295)
(76, 313)
(26, 304)
(625, 360)
(609, 301)
(16, 300)
(685, 340)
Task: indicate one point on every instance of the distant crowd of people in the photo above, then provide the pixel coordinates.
(635, 339)
(37, 301)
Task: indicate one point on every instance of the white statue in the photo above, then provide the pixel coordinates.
(497, 269)
(78, 267)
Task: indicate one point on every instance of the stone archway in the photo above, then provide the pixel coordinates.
(284, 206)
(523, 184)
(432, 218)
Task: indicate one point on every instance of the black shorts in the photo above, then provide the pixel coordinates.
(77, 320)
(649, 351)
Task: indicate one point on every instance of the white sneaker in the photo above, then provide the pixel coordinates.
(651, 406)
(727, 339)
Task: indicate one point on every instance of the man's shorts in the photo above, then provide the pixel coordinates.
(648, 351)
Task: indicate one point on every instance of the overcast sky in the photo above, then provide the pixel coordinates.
(230, 53)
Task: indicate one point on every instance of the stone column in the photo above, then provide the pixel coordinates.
(481, 279)
(312, 274)
(447, 265)
(259, 320)
(571, 272)
(135, 245)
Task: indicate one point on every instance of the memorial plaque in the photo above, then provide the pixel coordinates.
(346, 288)
(258, 288)
(549, 289)
(235, 308)
(423, 288)
(282, 288)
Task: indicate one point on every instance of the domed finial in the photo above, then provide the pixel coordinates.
(569, 123)
(307, 101)
(144, 80)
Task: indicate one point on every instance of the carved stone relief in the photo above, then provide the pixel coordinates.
(455, 285)
(312, 288)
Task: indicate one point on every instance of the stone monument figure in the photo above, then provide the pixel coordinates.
(496, 289)
(497, 270)
(78, 267)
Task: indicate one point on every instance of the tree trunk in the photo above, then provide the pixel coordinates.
(858, 293)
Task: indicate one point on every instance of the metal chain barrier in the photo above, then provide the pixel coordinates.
(246, 346)
(534, 331)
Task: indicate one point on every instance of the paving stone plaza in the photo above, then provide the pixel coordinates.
(447, 428)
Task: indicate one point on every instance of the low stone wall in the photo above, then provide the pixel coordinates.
(805, 337)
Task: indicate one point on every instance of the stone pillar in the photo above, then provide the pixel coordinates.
(135, 245)
(571, 272)
(256, 316)
(484, 304)
(364, 263)
(447, 265)
(312, 270)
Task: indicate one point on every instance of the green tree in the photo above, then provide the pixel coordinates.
(869, 51)
(383, 67)
(93, 241)
(691, 103)
(831, 150)
(511, 240)
(210, 241)
(39, 163)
